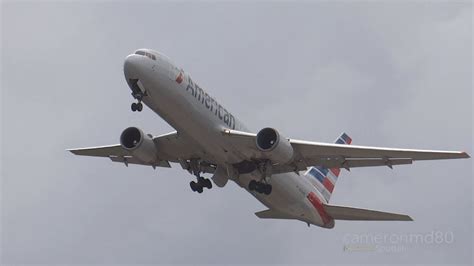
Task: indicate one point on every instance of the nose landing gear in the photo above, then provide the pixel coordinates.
(137, 106)
(138, 92)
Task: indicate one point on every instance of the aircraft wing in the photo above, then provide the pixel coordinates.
(101, 151)
(171, 148)
(329, 155)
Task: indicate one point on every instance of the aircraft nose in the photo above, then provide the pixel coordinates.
(131, 66)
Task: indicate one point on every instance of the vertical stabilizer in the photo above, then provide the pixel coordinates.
(324, 178)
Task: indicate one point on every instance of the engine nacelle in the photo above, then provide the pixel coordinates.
(140, 145)
(275, 147)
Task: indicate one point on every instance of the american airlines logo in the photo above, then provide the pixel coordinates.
(179, 78)
(212, 105)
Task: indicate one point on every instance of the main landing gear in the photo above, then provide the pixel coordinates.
(260, 187)
(201, 182)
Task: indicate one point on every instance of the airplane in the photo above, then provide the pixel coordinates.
(293, 178)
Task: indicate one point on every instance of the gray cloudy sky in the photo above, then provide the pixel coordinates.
(389, 74)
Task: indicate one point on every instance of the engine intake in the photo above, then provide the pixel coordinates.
(275, 147)
(140, 145)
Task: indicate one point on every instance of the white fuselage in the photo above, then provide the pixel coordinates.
(201, 120)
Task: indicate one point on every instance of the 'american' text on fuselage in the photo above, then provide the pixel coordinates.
(211, 104)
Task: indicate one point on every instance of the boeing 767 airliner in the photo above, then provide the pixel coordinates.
(293, 178)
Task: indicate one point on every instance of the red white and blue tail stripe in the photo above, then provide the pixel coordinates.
(344, 139)
(324, 179)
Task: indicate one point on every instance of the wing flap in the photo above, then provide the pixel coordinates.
(133, 160)
(338, 163)
(356, 214)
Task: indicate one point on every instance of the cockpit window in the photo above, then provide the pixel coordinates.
(149, 55)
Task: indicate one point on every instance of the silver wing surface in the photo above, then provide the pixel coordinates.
(171, 147)
(328, 155)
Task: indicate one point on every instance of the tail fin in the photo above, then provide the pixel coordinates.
(323, 178)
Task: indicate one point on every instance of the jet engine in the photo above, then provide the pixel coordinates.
(274, 146)
(140, 145)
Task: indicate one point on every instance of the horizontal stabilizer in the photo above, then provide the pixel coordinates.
(272, 214)
(355, 214)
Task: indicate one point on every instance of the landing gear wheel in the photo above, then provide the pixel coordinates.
(139, 107)
(260, 187)
(207, 183)
(252, 185)
(134, 107)
(193, 185)
(267, 189)
(199, 189)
